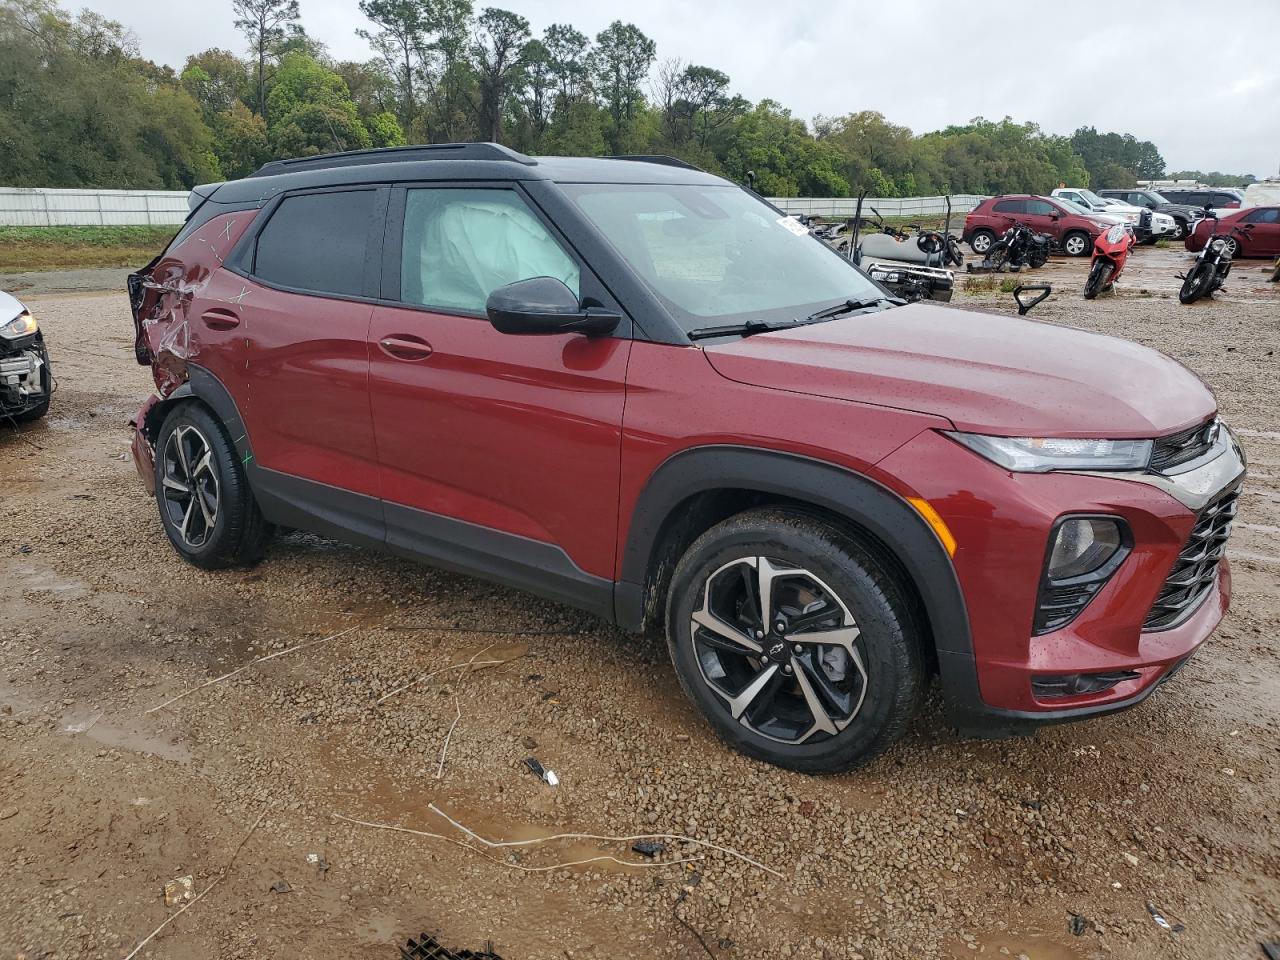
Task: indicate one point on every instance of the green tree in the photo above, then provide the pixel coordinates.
(401, 37)
(312, 111)
(385, 131)
(215, 79)
(264, 24)
(239, 141)
(621, 61)
(501, 39)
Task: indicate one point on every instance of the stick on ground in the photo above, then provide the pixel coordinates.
(444, 751)
(201, 895)
(270, 656)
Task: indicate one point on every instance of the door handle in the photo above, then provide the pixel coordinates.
(219, 319)
(405, 346)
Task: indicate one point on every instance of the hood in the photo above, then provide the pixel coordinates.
(1186, 209)
(985, 373)
(10, 307)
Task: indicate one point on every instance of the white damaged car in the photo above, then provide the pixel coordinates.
(26, 382)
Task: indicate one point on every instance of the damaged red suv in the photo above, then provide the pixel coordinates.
(637, 388)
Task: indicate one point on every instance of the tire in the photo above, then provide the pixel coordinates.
(212, 521)
(1038, 257)
(981, 241)
(997, 257)
(954, 254)
(1179, 230)
(1076, 243)
(1197, 283)
(1099, 278)
(827, 708)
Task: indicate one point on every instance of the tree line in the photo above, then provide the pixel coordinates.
(79, 107)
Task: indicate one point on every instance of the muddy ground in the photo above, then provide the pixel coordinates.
(942, 848)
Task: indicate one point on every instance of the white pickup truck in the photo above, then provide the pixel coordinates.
(1161, 224)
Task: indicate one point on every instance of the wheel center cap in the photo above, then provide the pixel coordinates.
(775, 649)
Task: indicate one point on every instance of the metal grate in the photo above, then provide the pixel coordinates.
(1196, 570)
(1183, 447)
(428, 948)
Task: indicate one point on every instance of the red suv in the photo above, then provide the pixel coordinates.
(1252, 232)
(1073, 233)
(637, 388)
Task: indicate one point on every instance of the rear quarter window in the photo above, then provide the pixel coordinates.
(317, 242)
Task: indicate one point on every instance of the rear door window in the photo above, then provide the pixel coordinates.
(1010, 206)
(460, 245)
(317, 242)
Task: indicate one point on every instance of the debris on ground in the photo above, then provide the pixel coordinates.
(1173, 926)
(281, 886)
(426, 947)
(648, 848)
(319, 862)
(179, 890)
(1272, 950)
(1078, 925)
(542, 773)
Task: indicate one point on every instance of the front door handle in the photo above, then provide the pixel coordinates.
(217, 318)
(405, 346)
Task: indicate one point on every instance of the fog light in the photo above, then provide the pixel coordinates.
(1083, 544)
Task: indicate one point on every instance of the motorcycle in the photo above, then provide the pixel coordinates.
(1212, 265)
(1019, 246)
(1110, 251)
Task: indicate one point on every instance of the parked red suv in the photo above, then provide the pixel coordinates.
(1073, 233)
(1252, 232)
(637, 388)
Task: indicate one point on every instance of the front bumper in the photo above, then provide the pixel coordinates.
(25, 381)
(1001, 522)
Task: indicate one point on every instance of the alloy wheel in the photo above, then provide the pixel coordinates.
(190, 485)
(780, 650)
(1074, 245)
(981, 243)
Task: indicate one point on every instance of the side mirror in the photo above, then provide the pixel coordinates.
(1054, 216)
(545, 305)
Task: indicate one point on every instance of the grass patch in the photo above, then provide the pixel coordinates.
(1162, 244)
(65, 248)
(1009, 284)
(978, 283)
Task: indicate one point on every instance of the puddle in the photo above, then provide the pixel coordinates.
(32, 580)
(127, 737)
(1033, 946)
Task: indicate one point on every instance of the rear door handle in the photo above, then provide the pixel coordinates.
(405, 346)
(217, 318)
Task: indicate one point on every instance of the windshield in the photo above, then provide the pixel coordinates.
(1074, 207)
(1158, 198)
(1096, 200)
(717, 252)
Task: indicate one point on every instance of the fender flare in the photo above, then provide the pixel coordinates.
(869, 505)
(204, 386)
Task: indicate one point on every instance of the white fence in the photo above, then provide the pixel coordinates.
(37, 207)
(840, 208)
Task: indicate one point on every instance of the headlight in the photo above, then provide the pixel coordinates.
(24, 324)
(1217, 245)
(1116, 233)
(1041, 455)
(1082, 545)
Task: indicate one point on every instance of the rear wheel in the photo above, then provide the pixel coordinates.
(793, 641)
(997, 257)
(981, 241)
(1099, 278)
(1075, 243)
(206, 506)
(1179, 229)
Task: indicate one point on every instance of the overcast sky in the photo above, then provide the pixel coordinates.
(1201, 81)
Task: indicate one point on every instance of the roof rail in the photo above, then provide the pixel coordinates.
(424, 151)
(657, 158)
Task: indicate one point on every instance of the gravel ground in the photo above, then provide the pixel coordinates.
(941, 848)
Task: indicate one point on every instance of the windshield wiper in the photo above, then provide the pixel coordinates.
(845, 306)
(748, 327)
(744, 329)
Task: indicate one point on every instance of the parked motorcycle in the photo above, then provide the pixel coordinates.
(1019, 246)
(1212, 265)
(1110, 251)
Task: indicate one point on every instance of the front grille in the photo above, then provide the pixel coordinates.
(1196, 570)
(1183, 447)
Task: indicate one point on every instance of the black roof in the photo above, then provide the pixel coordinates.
(453, 161)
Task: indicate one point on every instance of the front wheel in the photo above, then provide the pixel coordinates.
(1099, 278)
(793, 641)
(1197, 282)
(997, 257)
(206, 506)
(1179, 230)
(1075, 244)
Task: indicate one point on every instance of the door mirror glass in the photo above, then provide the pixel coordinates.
(544, 305)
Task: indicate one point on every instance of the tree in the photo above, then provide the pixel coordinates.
(621, 60)
(538, 87)
(264, 23)
(312, 111)
(500, 42)
(401, 39)
(216, 79)
(568, 51)
(239, 141)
